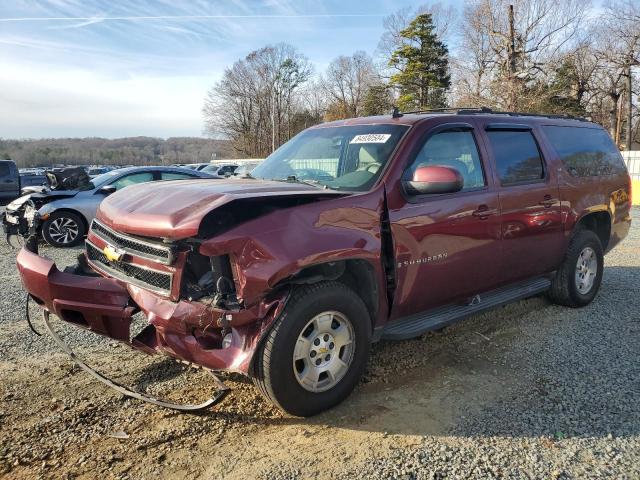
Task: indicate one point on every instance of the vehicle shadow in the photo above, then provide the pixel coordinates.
(542, 370)
(528, 369)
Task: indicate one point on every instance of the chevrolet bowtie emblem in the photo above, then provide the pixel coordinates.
(113, 254)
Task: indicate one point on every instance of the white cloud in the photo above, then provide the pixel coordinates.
(75, 103)
(97, 68)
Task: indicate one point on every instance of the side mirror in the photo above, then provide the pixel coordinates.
(107, 189)
(434, 179)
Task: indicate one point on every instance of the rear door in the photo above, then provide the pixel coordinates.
(446, 245)
(531, 220)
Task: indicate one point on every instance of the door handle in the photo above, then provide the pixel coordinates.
(548, 201)
(483, 212)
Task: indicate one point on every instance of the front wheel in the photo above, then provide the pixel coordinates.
(317, 350)
(578, 279)
(63, 229)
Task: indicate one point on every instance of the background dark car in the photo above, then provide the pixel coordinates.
(9, 181)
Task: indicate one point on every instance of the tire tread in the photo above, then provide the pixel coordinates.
(560, 292)
(261, 374)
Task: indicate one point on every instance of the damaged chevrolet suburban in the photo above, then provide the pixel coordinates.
(353, 231)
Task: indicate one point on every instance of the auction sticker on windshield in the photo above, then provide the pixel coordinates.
(371, 138)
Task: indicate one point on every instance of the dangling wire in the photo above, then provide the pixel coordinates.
(29, 316)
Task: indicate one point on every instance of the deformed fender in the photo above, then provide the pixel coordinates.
(266, 251)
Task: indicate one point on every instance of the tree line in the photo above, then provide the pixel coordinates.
(120, 151)
(539, 56)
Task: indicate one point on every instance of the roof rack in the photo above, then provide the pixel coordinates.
(485, 110)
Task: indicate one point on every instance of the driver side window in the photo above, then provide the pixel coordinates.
(455, 149)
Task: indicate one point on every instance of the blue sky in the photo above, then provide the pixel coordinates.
(123, 68)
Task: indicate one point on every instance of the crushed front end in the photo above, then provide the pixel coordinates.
(189, 300)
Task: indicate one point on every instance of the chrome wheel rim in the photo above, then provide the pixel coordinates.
(324, 351)
(586, 270)
(63, 230)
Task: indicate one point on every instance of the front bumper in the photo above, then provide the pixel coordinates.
(188, 331)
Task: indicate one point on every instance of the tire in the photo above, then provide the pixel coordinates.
(568, 287)
(63, 229)
(285, 381)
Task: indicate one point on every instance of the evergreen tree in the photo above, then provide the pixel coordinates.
(422, 64)
(377, 100)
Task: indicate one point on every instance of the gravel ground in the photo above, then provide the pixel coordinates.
(530, 390)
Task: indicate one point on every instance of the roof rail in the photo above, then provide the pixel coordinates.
(486, 110)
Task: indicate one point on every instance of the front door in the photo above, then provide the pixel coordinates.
(446, 245)
(532, 237)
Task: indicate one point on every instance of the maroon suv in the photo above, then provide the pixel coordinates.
(381, 227)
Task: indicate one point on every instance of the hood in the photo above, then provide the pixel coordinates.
(175, 209)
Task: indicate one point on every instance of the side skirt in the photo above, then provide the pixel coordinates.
(415, 325)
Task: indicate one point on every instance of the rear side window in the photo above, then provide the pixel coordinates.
(518, 158)
(585, 152)
(175, 176)
(4, 169)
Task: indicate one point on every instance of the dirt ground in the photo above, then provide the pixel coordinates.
(530, 390)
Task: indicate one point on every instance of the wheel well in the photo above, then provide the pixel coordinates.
(600, 224)
(356, 274)
(75, 212)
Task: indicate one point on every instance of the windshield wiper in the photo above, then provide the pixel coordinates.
(294, 179)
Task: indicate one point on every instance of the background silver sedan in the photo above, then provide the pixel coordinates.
(66, 218)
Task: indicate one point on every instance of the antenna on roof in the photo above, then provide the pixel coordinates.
(396, 113)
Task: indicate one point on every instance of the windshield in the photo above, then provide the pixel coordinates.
(341, 158)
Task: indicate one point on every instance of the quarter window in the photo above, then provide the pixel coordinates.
(456, 149)
(585, 152)
(518, 159)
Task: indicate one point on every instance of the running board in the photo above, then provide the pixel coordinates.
(415, 325)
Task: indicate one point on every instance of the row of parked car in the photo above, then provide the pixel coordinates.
(66, 199)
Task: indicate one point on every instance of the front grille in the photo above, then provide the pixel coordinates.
(141, 276)
(132, 245)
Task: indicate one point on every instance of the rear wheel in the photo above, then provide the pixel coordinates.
(63, 229)
(317, 350)
(578, 279)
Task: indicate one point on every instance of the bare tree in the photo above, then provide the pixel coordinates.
(621, 52)
(346, 82)
(512, 41)
(472, 68)
(253, 104)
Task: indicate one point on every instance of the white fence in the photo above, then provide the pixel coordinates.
(632, 159)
